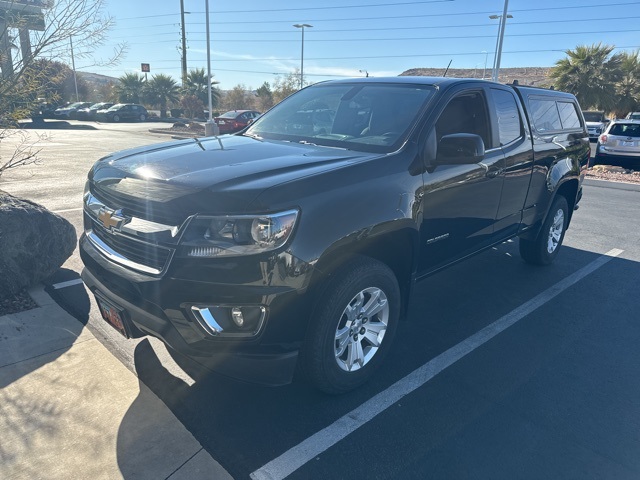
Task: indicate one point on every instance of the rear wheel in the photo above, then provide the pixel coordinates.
(544, 249)
(352, 326)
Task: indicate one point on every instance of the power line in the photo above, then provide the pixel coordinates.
(385, 17)
(395, 4)
(302, 8)
(380, 29)
(420, 55)
(380, 39)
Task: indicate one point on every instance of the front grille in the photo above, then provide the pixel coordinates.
(136, 252)
(138, 207)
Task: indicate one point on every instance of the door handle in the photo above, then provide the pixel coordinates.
(493, 172)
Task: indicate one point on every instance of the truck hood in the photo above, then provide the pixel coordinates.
(212, 175)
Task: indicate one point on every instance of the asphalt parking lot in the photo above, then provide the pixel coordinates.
(502, 370)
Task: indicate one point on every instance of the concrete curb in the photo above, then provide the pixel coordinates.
(596, 182)
(70, 409)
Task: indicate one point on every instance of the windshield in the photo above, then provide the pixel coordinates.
(593, 116)
(634, 116)
(370, 117)
(117, 106)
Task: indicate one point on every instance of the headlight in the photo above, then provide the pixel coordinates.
(208, 236)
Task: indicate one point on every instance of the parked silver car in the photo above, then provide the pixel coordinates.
(619, 144)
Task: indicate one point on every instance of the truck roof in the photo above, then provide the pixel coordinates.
(448, 81)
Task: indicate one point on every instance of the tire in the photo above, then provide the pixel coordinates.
(116, 118)
(544, 249)
(143, 117)
(352, 326)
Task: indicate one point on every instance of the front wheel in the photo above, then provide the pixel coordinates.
(143, 117)
(116, 118)
(352, 327)
(544, 249)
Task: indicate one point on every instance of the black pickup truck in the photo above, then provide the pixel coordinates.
(294, 245)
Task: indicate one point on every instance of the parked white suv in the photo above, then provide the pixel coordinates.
(596, 123)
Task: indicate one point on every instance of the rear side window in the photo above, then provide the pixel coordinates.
(568, 115)
(545, 115)
(509, 123)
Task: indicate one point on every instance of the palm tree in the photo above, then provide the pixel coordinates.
(628, 88)
(591, 74)
(131, 88)
(162, 89)
(197, 85)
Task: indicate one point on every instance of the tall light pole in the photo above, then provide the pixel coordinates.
(73, 66)
(184, 44)
(503, 22)
(210, 128)
(302, 26)
(486, 56)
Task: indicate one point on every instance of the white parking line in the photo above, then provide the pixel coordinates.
(69, 283)
(68, 210)
(310, 448)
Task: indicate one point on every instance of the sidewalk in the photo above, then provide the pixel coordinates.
(69, 409)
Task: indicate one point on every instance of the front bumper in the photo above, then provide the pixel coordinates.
(161, 306)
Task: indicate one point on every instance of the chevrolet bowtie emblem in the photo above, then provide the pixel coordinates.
(111, 220)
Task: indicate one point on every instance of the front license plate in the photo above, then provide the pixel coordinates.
(113, 316)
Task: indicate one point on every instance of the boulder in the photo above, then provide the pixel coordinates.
(34, 243)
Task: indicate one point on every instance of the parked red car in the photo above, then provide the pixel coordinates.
(236, 120)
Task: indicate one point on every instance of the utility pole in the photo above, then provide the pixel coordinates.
(503, 23)
(184, 45)
(302, 26)
(73, 65)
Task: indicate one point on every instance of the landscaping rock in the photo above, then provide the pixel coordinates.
(34, 243)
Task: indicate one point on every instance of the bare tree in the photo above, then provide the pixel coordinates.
(46, 30)
(238, 98)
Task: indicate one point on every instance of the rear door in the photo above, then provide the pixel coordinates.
(515, 142)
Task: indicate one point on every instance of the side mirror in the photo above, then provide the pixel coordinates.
(460, 149)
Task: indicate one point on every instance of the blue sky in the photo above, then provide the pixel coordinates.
(252, 41)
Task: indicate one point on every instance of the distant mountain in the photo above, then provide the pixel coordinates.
(536, 76)
(96, 79)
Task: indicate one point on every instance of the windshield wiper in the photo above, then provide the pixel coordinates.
(253, 135)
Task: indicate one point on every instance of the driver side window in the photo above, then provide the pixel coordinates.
(466, 113)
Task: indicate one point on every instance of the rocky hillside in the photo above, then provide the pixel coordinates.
(536, 76)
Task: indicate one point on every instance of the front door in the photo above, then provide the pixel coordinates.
(460, 202)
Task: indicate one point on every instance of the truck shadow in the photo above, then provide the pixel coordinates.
(244, 426)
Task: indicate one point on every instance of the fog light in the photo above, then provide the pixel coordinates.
(236, 315)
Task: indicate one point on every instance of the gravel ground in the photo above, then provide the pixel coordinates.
(614, 174)
(16, 303)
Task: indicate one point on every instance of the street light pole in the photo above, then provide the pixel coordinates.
(302, 25)
(184, 45)
(73, 66)
(210, 128)
(503, 22)
(486, 56)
